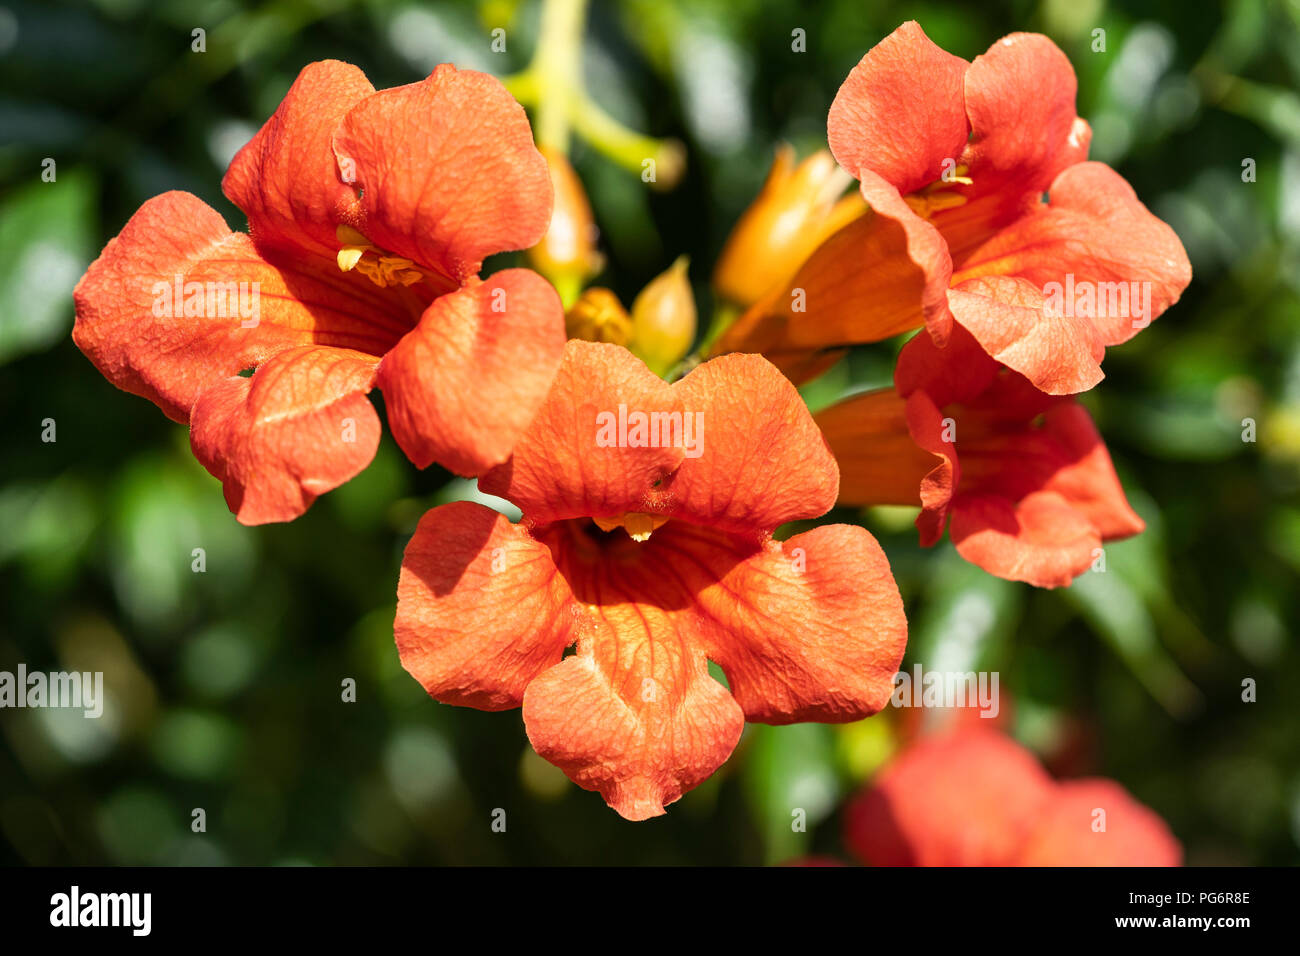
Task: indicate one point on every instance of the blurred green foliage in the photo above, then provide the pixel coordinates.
(225, 686)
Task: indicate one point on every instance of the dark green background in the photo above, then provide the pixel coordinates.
(226, 685)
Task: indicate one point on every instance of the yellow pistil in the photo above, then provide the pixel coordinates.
(638, 525)
(381, 267)
(933, 198)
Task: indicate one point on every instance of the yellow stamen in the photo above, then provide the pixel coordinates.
(638, 525)
(933, 198)
(349, 256)
(927, 204)
(383, 269)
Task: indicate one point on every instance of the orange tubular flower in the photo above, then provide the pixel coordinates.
(652, 555)
(974, 797)
(798, 207)
(985, 214)
(370, 214)
(1024, 475)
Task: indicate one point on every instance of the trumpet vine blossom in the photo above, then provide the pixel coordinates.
(369, 214)
(649, 557)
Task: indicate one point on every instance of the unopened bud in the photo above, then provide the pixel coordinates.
(598, 316)
(798, 208)
(567, 253)
(663, 319)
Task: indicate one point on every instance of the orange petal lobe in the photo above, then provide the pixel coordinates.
(481, 608)
(1069, 832)
(760, 460)
(462, 386)
(634, 713)
(811, 628)
(900, 113)
(1097, 232)
(286, 178)
(299, 427)
(151, 342)
(1020, 98)
(447, 171)
(577, 459)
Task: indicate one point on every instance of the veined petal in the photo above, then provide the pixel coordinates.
(759, 459)
(446, 170)
(1060, 354)
(583, 455)
(286, 179)
(900, 112)
(299, 427)
(1093, 238)
(1038, 538)
(481, 608)
(167, 347)
(635, 714)
(811, 628)
(1020, 97)
(463, 385)
(1071, 832)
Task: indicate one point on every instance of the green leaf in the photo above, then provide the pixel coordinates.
(45, 245)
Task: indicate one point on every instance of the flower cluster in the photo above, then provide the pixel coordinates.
(1022, 261)
(656, 488)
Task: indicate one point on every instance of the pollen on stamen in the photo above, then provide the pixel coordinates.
(638, 525)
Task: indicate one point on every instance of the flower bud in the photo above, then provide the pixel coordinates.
(567, 253)
(798, 208)
(598, 316)
(663, 319)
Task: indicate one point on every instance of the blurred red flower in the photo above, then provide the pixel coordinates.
(972, 796)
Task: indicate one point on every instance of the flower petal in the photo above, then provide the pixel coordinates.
(968, 797)
(1040, 538)
(635, 714)
(463, 385)
(1020, 99)
(1066, 832)
(447, 171)
(481, 608)
(760, 460)
(286, 178)
(808, 629)
(170, 357)
(1086, 478)
(900, 112)
(571, 462)
(882, 274)
(879, 462)
(1061, 355)
(1093, 236)
(300, 426)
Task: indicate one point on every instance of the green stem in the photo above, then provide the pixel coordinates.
(557, 70)
(552, 87)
